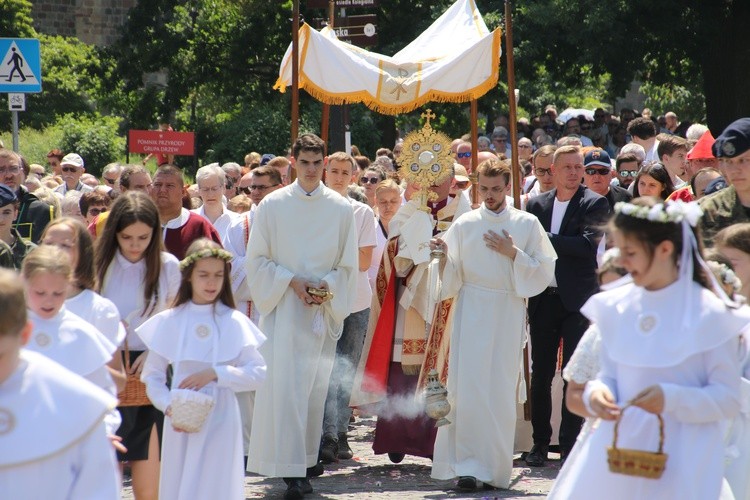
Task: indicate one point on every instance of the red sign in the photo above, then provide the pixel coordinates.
(156, 141)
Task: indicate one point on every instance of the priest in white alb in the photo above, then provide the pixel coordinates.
(497, 257)
(303, 239)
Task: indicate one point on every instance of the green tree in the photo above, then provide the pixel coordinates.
(15, 19)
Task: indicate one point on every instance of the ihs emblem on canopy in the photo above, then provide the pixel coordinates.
(426, 160)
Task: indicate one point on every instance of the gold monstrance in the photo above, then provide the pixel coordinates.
(426, 160)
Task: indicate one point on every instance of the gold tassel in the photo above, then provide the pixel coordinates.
(411, 370)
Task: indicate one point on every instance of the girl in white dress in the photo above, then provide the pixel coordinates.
(669, 346)
(213, 349)
(141, 280)
(58, 333)
(733, 243)
(72, 237)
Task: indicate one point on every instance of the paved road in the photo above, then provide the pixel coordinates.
(374, 476)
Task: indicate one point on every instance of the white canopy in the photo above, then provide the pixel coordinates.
(455, 60)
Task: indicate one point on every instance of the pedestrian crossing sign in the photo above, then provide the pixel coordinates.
(20, 66)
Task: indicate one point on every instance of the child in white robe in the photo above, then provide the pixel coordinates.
(213, 349)
(53, 443)
(58, 333)
(72, 237)
(669, 346)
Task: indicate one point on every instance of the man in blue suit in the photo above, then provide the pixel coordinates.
(573, 217)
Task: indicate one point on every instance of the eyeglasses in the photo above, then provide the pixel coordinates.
(524, 146)
(97, 211)
(628, 173)
(541, 172)
(595, 171)
(370, 180)
(212, 189)
(254, 187)
(10, 170)
(69, 169)
(467, 154)
(109, 181)
(462, 184)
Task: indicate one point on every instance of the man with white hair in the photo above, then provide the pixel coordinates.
(72, 169)
(211, 182)
(500, 141)
(111, 174)
(525, 149)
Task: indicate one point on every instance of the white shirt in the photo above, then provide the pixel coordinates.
(364, 218)
(381, 240)
(558, 212)
(221, 224)
(123, 285)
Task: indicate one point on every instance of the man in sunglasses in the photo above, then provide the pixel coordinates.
(463, 155)
(111, 174)
(72, 169)
(597, 174)
(627, 166)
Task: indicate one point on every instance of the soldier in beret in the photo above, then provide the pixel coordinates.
(731, 205)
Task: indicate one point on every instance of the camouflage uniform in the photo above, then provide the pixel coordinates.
(720, 210)
(6, 256)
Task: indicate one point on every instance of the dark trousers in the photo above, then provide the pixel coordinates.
(549, 322)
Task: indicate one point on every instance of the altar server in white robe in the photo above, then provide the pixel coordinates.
(58, 333)
(213, 349)
(303, 237)
(497, 256)
(53, 443)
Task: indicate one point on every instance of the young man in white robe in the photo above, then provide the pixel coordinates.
(303, 239)
(497, 257)
(53, 442)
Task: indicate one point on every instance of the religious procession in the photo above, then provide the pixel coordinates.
(553, 308)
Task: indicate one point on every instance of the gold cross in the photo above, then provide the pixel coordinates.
(428, 115)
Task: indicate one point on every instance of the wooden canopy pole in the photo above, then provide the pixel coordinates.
(326, 114)
(295, 78)
(516, 168)
(474, 154)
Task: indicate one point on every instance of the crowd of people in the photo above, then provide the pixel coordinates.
(199, 331)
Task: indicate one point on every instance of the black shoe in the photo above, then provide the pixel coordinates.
(344, 451)
(295, 489)
(306, 486)
(329, 450)
(315, 471)
(396, 457)
(537, 456)
(467, 483)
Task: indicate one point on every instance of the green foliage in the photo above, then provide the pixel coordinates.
(34, 144)
(94, 138)
(15, 19)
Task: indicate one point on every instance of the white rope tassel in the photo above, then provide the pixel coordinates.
(319, 325)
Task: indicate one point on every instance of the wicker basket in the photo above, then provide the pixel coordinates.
(190, 409)
(646, 464)
(134, 393)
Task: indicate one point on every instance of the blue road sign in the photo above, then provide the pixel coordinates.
(20, 66)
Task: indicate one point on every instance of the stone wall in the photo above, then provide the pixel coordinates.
(91, 21)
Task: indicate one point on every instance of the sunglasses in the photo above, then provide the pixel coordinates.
(462, 184)
(628, 173)
(69, 169)
(96, 211)
(110, 181)
(464, 155)
(369, 180)
(249, 189)
(595, 171)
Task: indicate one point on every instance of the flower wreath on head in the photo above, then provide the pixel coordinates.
(206, 253)
(727, 276)
(671, 211)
